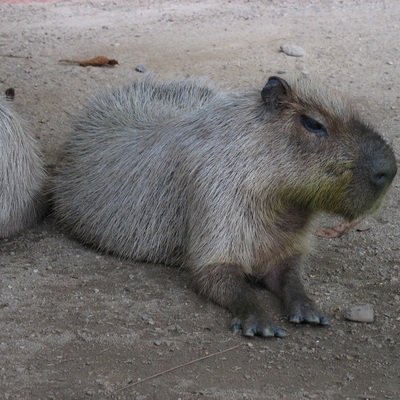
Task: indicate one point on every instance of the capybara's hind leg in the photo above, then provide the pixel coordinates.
(284, 280)
(226, 285)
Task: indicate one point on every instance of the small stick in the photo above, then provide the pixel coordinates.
(170, 370)
(14, 56)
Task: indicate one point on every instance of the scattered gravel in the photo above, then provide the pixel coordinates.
(59, 339)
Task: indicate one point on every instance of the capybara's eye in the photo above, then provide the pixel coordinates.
(313, 126)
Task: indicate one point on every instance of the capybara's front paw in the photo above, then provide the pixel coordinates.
(254, 325)
(306, 311)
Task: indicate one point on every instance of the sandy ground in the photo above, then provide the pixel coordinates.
(75, 324)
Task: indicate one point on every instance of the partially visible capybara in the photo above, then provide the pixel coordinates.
(224, 183)
(21, 174)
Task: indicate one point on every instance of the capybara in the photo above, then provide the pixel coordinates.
(226, 184)
(22, 174)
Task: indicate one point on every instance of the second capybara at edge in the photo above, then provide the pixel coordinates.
(226, 184)
(22, 174)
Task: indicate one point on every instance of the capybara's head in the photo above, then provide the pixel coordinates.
(333, 161)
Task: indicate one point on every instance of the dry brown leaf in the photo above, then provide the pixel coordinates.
(100, 61)
(338, 230)
(10, 94)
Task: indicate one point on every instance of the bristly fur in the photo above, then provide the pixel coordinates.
(22, 175)
(186, 173)
(224, 183)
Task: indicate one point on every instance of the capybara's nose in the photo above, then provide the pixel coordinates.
(383, 171)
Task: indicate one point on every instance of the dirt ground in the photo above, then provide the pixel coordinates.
(75, 324)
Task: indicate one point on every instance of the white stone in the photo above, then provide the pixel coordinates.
(360, 313)
(293, 50)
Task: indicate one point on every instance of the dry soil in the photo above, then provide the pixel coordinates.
(75, 324)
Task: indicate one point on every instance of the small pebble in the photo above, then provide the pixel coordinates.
(140, 68)
(293, 50)
(360, 313)
(10, 94)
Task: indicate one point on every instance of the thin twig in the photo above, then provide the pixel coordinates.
(170, 370)
(7, 243)
(14, 56)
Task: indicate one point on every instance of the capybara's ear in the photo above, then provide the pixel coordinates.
(274, 92)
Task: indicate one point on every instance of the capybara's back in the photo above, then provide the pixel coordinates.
(129, 122)
(224, 183)
(21, 175)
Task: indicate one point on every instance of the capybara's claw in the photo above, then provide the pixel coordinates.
(254, 327)
(308, 312)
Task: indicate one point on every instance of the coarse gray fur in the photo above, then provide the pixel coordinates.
(22, 175)
(224, 183)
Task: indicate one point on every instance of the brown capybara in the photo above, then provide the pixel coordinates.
(224, 183)
(22, 174)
